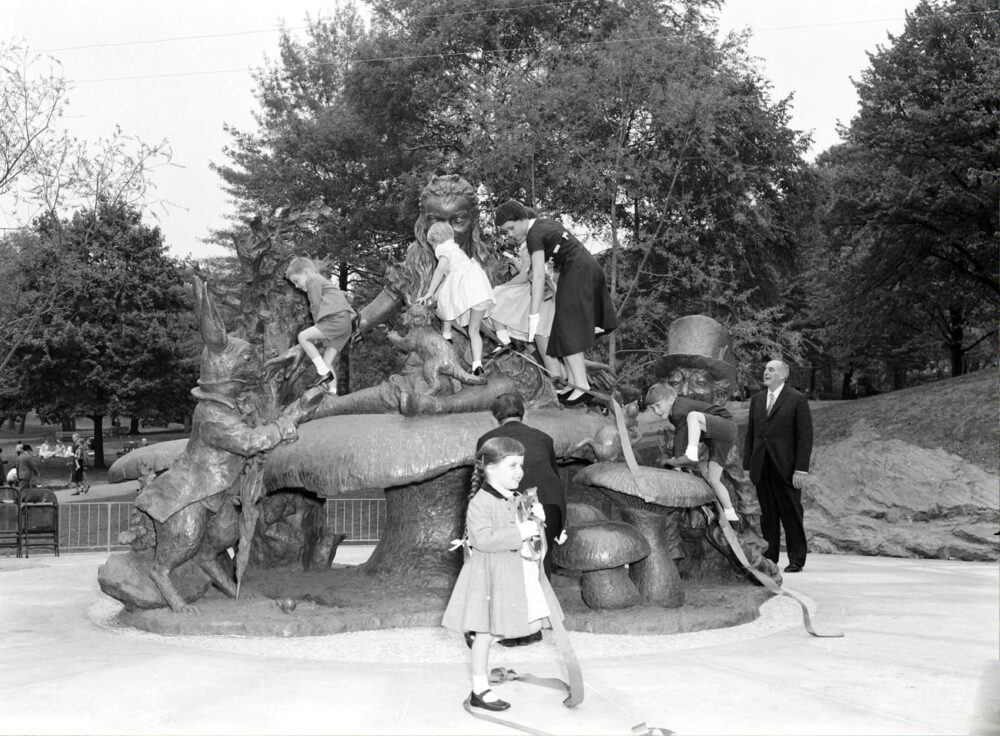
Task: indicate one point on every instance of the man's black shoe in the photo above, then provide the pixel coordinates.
(792, 567)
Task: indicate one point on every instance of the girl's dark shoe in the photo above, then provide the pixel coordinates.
(530, 639)
(476, 701)
(578, 401)
(681, 461)
(477, 371)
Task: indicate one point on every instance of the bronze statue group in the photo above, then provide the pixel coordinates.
(558, 299)
(559, 280)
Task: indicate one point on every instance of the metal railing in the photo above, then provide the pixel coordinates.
(93, 526)
(361, 519)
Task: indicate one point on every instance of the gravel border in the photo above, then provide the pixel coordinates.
(430, 645)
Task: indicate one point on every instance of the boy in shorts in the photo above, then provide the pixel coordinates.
(332, 317)
(693, 421)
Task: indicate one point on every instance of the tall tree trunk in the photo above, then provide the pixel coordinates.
(613, 338)
(98, 446)
(344, 368)
(956, 335)
(133, 425)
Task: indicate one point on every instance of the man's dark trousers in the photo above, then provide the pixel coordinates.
(781, 506)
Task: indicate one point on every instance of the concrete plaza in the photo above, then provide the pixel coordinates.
(919, 656)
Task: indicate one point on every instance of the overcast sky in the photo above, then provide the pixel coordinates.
(179, 70)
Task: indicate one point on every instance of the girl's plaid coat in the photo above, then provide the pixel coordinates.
(489, 594)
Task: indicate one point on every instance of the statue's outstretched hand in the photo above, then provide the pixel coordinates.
(286, 363)
(600, 376)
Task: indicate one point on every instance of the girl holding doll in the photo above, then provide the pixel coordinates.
(498, 594)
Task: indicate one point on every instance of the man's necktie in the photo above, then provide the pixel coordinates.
(770, 402)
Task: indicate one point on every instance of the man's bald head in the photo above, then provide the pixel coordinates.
(775, 374)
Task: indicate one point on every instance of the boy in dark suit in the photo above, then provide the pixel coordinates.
(776, 452)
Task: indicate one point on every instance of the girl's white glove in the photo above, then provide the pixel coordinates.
(533, 320)
(561, 539)
(538, 511)
(528, 529)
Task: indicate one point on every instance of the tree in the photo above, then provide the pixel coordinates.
(628, 118)
(911, 196)
(119, 340)
(29, 110)
(47, 173)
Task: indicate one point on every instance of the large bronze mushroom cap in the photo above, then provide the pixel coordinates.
(156, 458)
(600, 550)
(600, 545)
(667, 488)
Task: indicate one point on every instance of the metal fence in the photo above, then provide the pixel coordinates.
(94, 525)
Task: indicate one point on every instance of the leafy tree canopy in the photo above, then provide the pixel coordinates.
(631, 119)
(120, 337)
(910, 202)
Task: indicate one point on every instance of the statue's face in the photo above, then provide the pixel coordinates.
(458, 212)
(695, 383)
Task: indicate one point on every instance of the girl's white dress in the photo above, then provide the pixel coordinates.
(464, 286)
(513, 302)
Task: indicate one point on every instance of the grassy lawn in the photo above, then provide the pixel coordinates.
(56, 471)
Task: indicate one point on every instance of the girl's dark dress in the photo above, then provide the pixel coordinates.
(582, 298)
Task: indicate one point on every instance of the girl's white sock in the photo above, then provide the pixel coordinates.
(446, 333)
(503, 336)
(692, 453)
(480, 683)
(321, 367)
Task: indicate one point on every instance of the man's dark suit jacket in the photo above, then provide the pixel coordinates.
(785, 435)
(540, 469)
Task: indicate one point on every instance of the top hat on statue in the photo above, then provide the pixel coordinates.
(698, 341)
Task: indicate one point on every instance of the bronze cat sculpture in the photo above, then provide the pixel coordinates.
(438, 355)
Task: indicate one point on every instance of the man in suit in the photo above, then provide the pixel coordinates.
(541, 470)
(776, 452)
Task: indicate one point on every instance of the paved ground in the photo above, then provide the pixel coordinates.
(100, 492)
(919, 657)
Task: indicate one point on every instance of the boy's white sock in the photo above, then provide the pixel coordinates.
(503, 336)
(692, 453)
(321, 367)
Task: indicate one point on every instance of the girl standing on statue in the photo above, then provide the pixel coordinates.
(462, 289)
(583, 304)
(498, 593)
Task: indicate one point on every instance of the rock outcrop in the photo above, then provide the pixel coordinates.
(877, 496)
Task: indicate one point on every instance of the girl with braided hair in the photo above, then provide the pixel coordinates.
(498, 593)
